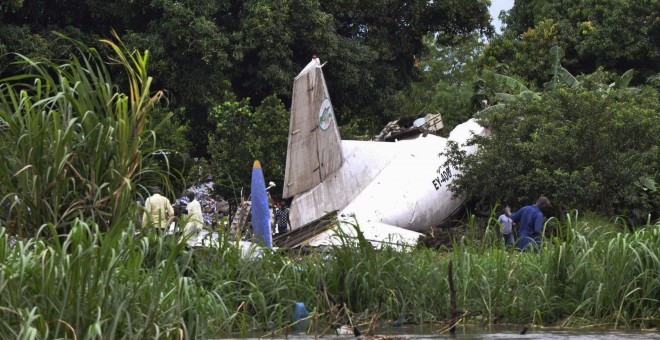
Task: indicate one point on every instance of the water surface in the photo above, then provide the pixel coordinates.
(480, 333)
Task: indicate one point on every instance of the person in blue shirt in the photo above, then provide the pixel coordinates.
(530, 221)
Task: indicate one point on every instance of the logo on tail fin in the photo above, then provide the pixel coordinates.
(325, 114)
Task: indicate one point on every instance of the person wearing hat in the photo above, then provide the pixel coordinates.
(530, 220)
(158, 210)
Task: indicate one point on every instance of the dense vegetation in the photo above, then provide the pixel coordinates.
(117, 285)
(589, 145)
(225, 67)
(74, 145)
(206, 55)
(84, 130)
(615, 35)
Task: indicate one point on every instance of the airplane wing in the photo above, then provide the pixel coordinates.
(376, 233)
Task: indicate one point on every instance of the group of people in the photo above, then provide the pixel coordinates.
(530, 221)
(160, 212)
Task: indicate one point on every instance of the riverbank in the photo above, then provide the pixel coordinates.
(118, 285)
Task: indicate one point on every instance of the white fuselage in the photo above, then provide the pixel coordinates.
(402, 184)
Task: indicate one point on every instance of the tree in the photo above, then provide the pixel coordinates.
(10, 5)
(172, 146)
(379, 43)
(252, 49)
(614, 35)
(446, 73)
(244, 134)
(583, 148)
(191, 53)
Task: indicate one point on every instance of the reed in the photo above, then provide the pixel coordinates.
(122, 285)
(88, 284)
(593, 274)
(73, 143)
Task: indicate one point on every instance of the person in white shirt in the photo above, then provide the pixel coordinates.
(506, 229)
(158, 210)
(195, 217)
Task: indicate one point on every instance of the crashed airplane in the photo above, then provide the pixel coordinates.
(392, 190)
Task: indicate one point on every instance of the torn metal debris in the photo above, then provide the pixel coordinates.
(410, 127)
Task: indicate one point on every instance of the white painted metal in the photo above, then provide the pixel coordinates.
(391, 183)
(314, 150)
(378, 234)
(411, 192)
(382, 184)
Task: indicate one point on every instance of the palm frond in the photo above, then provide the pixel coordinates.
(510, 83)
(624, 80)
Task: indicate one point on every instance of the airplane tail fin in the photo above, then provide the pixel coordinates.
(314, 148)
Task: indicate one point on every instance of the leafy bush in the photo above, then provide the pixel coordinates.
(583, 148)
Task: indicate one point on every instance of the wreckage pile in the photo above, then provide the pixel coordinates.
(214, 207)
(408, 127)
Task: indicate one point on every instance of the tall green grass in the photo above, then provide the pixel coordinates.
(99, 285)
(119, 285)
(591, 275)
(72, 142)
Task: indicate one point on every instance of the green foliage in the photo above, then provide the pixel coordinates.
(93, 284)
(264, 43)
(615, 35)
(10, 5)
(495, 90)
(173, 148)
(172, 127)
(204, 49)
(189, 47)
(588, 272)
(73, 143)
(19, 38)
(120, 285)
(582, 148)
(358, 129)
(375, 58)
(446, 72)
(244, 134)
(560, 74)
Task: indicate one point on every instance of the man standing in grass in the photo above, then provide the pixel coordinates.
(530, 220)
(506, 229)
(158, 210)
(195, 218)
